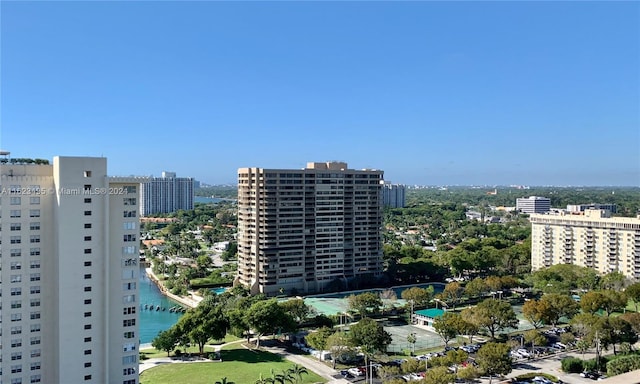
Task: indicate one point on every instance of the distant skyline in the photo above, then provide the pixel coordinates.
(433, 93)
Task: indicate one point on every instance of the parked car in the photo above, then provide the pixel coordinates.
(523, 352)
(541, 380)
(559, 345)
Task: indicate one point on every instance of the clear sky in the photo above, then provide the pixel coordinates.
(536, 93)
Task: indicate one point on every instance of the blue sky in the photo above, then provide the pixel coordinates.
(433, 93)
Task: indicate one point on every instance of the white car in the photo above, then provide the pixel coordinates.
(559, 345)
(523, 352)
(542, 380)
(515, 355)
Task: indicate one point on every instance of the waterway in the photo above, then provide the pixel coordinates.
(152, 321)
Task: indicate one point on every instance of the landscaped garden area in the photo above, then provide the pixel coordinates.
(238, 365)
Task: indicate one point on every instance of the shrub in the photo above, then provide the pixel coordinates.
(623, 364)
(592, 365)
(572, 365)
(529, 376)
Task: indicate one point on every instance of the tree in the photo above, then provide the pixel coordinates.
(621, 332)
(341, 347)
(495, 315)
(613, 280)
(470, 325)
(297, 309)
(557, 305)
(411, 339)
(370, 337)
(446, 326)
(451, 293)
(493, 359)
(615, 301)
(318, 340)
(365, 303)
(592, 302)
(204, 323)
(420, 297)
(633, 293)
(297, 371)
(268, 317)
(494, 283)
(535, 312)
(535, 338)
(633, 319)
(469, 373)
(476, 288)
(165, 341)
(439, 375)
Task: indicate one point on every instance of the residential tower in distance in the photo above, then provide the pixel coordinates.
(533, 204)
(393, 195)
(69, 272)
(301, 229)
(594, 239)
(166, 194)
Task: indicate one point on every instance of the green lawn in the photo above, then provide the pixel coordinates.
(239, 365)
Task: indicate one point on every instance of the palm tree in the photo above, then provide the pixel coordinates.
(224, 381)
(297, 371)
(262, 380)
(282, 378)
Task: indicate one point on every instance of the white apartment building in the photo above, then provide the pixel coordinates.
(68, 285)
(299, 230)
(393, 195)
(593, 240)
(533, 204)
(166, 194)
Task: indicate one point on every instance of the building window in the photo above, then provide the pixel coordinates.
(17, 330)
(36, 378)
(128, 322)
(15, 239)
(128, 371)
(87, 238)
(34, 226)
(128, 347)
(87, 173)
(35, 277)
(16, 291)
(34, 264)
(87, 289)
(15, 304)
(87, 225)
(34, 213)
(87, 213)
(16, 317)
(87, 377)
(16, 369)
(87, 187)
(87, 301)
(129, 237)
(15, 213)
(130, 201)
(129, 382)
(34, 251)
(129, 299)
(129, 214)
(87, 251)
(129, 335)
(34, 315)
(35, 289)
(129, 359)
(128, 286)
(87, 351)
(87, 276)
(129, 310)
(87, 263)
(129, 250)
(130, 189)
(35, 366)
(87, 364)
(16, 278)
(34, 200)
(87, 326)
(87, 339)
(128, 225)
(15, 201)
(87, 200)
(35, 302)
(35, 327)
(15, 343)
(15, 226)
(16, 252)
(34, 238)
(16, 356)
(87, 314)
(35, 353)
(35, 340)
(16, 265)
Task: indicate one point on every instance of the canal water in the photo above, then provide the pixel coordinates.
(152, 321)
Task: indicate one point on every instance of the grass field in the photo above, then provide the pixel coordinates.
(238, 365)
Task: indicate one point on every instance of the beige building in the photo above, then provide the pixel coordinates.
(593, 239)
(69, 294)
(299, 230)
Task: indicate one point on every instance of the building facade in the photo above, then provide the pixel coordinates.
(69, 275)
(166, 194)
(533, 204)
(583, 207)
(393, 195)
(299, 230)
(593, 240)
